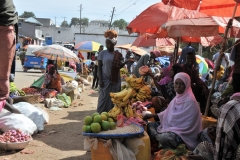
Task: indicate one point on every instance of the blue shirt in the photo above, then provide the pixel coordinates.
(185, 50)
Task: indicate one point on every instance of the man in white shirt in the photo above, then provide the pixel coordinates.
(225, 60)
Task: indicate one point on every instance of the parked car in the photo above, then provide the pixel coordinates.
(69, 46)
(33, 62)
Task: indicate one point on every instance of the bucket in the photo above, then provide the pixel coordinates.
(152, 110)
(208, 121)
(101, 153)
(144, 152)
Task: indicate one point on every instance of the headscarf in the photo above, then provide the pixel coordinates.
(183, 116)
(235, 95)
(157, 53)
(166, 77)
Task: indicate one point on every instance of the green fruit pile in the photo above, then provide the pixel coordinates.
(98, 122)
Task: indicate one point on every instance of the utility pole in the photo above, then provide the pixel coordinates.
(110, 25)
(80, 18)
(55, 21)
(64, 18)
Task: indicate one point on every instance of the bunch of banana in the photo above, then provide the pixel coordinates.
(144, 93)
(128, 111)
(114, 112)
(134, 82)
(124, 72)
(121, 99)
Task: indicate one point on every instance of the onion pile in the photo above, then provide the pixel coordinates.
(14, 136)
(140, 108)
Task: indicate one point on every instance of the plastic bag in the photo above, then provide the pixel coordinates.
(11, 121)
(66, 99)
(53, 102)
(120, 152)
(70, 86)
(31, 112)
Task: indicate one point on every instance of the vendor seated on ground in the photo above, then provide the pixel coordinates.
(166, 86)
(52, 79)
(7, 104)
(199, 88)
(180, 123)
(85, 70)
(221, 141)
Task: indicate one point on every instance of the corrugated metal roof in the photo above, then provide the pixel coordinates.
(33, 20)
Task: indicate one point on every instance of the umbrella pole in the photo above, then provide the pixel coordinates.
(223, 47)
(176, 51)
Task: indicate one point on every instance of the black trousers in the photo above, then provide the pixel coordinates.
(95, 78)
(235, 82)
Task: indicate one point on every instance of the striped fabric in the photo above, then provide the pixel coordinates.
(56, 52)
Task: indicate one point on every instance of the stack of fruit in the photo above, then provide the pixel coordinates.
(136, 90)
(124, 73)
(98, 122)
(144, 94)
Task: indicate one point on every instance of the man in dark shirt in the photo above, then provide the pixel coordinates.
(199, 88)
(127, 57)
(8, 20)
(185, 50)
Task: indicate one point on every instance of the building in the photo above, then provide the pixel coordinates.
(29, 31)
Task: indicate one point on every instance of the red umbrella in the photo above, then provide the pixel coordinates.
(142, 41)
(210, 7)
(152, 18)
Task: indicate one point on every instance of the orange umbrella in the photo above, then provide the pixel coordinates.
(209, 7)
(151, 19)
(135, 49)
(142, 41)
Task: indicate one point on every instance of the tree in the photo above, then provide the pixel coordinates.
(85, 21)
(64, 24)
(121, 24)
(27, 15)
(76, 21)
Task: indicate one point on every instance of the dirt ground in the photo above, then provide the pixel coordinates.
(62, 138)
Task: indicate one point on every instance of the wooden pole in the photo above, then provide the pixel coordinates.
(176, 51)
(223, 48)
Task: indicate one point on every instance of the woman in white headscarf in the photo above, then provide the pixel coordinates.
(109, 65)
(181, 122)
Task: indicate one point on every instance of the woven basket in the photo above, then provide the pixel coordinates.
(28, 98)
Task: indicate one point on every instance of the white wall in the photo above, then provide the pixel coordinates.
(67, 34)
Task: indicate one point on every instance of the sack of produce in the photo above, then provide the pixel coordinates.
(11, 121)
(31, 112)
(66, 99)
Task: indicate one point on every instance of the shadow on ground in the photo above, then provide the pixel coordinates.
(82, 157)
(65, 137)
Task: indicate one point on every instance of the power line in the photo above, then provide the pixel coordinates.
(126, 8)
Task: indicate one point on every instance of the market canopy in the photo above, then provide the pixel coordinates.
(152, 18)
(142, 41)
(201, 27)
(134, 49)
(209, 7)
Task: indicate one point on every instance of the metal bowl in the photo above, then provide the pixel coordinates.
(13, 146)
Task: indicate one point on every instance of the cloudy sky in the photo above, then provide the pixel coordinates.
(91, 9)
